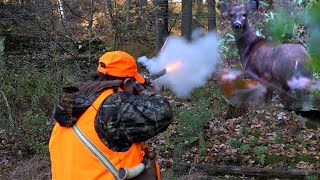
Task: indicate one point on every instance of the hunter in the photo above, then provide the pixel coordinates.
(103, 122)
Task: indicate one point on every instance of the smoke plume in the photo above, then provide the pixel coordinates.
(195, 62)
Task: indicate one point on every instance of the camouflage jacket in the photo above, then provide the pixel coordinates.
(122, 118)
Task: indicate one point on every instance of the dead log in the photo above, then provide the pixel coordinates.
(211, 170)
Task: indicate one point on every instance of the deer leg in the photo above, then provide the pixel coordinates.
(286, 98)
(269, 94)
(266, 81)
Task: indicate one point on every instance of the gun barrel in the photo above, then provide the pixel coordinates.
(158, 74)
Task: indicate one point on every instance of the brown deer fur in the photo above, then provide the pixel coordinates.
(263, 60)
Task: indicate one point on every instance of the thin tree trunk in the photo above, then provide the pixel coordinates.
(218, 16)
(63, 21)
(186, 19)
(114, 24)
(128, 14)
(211, 15)
(90, 30)
(142, 5)
(8, 107)
(162, 11)
(111, 13)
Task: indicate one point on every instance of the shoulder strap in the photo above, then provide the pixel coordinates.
(91, 146)
(96, 151)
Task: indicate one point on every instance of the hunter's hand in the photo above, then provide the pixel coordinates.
(150, 85)
(138, 87)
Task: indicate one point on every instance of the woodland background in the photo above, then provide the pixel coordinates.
(47, 44)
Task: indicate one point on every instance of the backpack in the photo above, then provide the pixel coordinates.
(76, 99)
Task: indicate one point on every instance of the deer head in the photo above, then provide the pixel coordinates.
(238, 14)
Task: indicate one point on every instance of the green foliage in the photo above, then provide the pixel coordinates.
(312, 124)
(274, 159)
(259, 154)
(32, 89)
(235, 143)
(38, 132)
(227, 47)
(313, 19)
(203, 149)
(245, 131)
(279, 138)
(283, 26)
(30, 94)
(312, 177)
(192, 120)
(2, 63)
(2, 39)
(300, 140)
(253, 141)
(245, 148)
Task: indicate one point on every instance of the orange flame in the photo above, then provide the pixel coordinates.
(173, 67)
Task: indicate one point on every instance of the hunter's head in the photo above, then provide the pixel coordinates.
(121, 65)
(238, 14)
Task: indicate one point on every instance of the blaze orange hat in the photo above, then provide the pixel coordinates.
(119, 64)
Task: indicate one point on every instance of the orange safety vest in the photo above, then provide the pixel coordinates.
(71, 159)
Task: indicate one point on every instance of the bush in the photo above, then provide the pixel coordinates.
(26, 103)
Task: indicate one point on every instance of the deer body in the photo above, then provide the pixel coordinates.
(262, 60)
(274, 63)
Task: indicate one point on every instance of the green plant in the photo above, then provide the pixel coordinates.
(203, 149)
(227, 47)
(282, 28)
(245, 131)
(192, 119)
(2, 63)
(259, 154)
(245, 148)
(279, 138)
(313, 19)
(235, 143)
(312, 124)
(313, 177)
(38, 131)
(30, 94)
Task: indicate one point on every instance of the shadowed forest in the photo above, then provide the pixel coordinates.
(223, 128)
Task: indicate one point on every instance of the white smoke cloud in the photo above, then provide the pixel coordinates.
(198, 60)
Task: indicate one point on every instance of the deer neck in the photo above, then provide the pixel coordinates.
(245, 40)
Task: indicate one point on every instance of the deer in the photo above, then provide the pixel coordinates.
(269, 63)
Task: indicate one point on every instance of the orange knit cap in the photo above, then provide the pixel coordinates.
(119, 64)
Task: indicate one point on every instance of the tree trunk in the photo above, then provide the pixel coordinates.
(218, 16)
(90, 30)
(63, 21)
(211, 15)
(111, 13)
(127, 14)
(162, 10)
(186, 19)
(113, 16)
(142, 6)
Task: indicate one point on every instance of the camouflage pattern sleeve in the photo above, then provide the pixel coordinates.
(124, 118)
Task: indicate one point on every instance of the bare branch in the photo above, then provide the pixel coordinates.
(8, 107)
(74, 13)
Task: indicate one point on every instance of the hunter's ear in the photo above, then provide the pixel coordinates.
(225, 8)
(252, 6)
